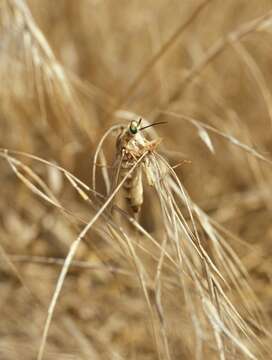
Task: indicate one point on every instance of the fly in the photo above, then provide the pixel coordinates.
(130, 146)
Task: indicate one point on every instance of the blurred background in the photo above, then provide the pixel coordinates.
(67, 69)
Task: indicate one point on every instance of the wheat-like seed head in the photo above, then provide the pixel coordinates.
(80, 275)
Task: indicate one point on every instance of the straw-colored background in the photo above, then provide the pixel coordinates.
(60, 93)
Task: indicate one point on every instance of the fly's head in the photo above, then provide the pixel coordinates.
(132, 139)
(134, 127)
(130, 135)
(127, 134)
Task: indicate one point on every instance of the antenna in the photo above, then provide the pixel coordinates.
(154, 124)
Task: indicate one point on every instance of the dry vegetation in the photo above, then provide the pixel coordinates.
(80, 278)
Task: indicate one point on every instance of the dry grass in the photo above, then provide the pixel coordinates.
(80, 277)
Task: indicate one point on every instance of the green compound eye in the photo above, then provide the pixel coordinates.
(133, 127)
(133, 130)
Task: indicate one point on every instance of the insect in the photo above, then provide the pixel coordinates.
(130, 146)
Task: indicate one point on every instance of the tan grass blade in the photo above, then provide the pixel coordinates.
(68, 260)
